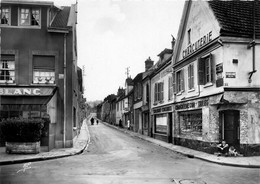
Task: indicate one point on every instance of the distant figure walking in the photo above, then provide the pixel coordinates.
(92, 121)
(97, 122)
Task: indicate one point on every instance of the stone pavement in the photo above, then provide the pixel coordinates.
(249, 162)
(80, 142)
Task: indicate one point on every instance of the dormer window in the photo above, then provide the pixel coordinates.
(29, 17)
(5, 15)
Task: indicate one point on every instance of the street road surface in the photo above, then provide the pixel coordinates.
(114, 157)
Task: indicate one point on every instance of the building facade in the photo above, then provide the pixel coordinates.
(162, 97)
(38, 72)
(216, 76)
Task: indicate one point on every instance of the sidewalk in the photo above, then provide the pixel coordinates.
(249, 162)
(80, 142)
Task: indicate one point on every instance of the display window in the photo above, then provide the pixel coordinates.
(161, 123)
(190, 122)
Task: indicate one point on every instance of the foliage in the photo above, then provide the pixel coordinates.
(21, 130)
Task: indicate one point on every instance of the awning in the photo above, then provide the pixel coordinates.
(229, 98)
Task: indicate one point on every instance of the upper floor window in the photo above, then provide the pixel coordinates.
(189, 36)
(191, 76)
(206, 67)
(29, 17)
(180, 80)
(5, 15)
(158, 92)
(7, 69)
(43, 69)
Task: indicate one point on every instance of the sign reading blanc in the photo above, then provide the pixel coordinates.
(192, 47)
(26, 91)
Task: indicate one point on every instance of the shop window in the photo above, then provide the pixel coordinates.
(29, 17)
(161, 124)
(170, 86)
(43, 69)
(7, 69)
(180, 80)
(158, 92)
(191, 76)
(206, 70)
(191, 122)
(5, 15)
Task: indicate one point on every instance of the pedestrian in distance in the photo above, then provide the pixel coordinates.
(222, 148)
(97, 122)
(92, 121)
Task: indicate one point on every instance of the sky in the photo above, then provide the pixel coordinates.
(115, 34)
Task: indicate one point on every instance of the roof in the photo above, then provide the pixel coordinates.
(61, 19)
(236, 17)
(165, 51)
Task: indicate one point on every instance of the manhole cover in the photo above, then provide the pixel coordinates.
(188, 181)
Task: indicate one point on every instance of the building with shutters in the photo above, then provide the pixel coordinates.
(162, 97)
(39, 77)
(216, 76)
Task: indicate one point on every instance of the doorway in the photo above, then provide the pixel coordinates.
(229, 129)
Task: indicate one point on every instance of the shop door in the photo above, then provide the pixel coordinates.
(230, 127)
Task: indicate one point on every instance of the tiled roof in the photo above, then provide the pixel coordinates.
(61, 19)
(236, 17)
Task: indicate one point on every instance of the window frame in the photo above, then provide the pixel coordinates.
(31, 9)
(191, 122)
(3, 69)
(9, 15)
(180, 81)
(191, 76)
(206, 70)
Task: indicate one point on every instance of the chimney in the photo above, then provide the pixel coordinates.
(148, 64)
(173, 43)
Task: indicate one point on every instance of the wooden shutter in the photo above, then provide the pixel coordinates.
(182, 80)
(162, 91)
(155, 92)
(44, 62)
(201, 71)
(212, 68)
(174, 83)
(7, 57)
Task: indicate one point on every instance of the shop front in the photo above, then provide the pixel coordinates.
(195, 126)
(231, 116)
(29, 102)
(162, 123)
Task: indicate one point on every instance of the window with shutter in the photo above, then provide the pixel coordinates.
(44, 69)
(205, 70)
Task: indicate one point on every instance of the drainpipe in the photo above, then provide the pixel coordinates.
(65, 90)
(252, 44)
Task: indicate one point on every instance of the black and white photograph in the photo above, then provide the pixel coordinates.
(130, 92)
